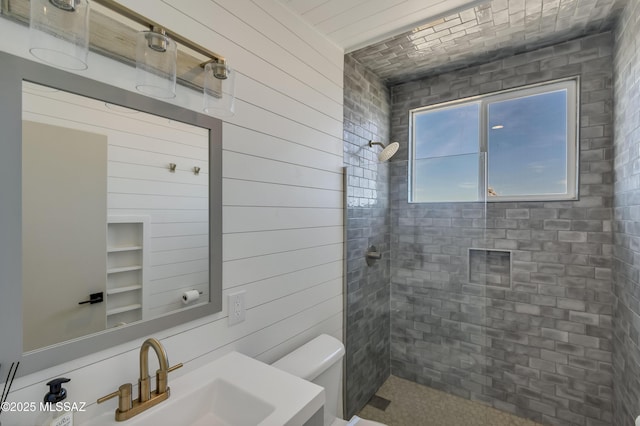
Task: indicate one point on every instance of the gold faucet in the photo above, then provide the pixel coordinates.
(146, 399)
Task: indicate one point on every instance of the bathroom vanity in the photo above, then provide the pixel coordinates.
(233, 390)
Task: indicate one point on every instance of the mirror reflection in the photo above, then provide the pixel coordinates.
(115, 216)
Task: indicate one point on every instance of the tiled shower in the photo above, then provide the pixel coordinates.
(366, 112)
(529, 307)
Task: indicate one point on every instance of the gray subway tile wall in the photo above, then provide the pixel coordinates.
(491, 30)
(626, 257)
(542, 348)
(366, 117)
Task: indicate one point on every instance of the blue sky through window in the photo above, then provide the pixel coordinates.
(527, 149)
(446, 153)
(450, 131)
(451, 178)
(528, 154)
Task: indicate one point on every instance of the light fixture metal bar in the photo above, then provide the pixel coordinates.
(143, 20)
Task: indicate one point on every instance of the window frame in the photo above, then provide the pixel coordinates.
(571, 85)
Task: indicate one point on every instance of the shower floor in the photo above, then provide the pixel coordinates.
(413, 404)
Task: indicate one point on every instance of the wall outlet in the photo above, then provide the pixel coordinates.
(236, 307)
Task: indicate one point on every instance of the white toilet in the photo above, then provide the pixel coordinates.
(320, 362)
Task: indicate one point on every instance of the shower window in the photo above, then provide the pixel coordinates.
(529, 135)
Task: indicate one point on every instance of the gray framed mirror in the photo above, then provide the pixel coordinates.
(110, 215)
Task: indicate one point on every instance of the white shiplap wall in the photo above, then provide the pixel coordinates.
(282, 192)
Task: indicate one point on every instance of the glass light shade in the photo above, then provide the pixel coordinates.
(219, 94)
(156, 57)
(59, 32)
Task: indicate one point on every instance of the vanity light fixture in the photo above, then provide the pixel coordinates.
(156, 64)
(59, 32)
(59, 35)
(156, 57)
(219, 89)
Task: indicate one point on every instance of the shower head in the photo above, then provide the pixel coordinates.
(387, 151)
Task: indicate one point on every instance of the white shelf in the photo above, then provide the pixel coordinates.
(124, 309)
(124, 269)
(124, 289)
(121, 249)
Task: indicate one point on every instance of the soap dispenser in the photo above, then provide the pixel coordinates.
(56, 414)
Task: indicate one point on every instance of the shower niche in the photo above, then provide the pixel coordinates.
(490, 267)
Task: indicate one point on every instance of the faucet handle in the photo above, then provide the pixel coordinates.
(161, 378)
(124, 397)
(175, 367)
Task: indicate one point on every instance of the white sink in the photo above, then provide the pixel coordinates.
(234, 390)
(227, 405)
(219, 403)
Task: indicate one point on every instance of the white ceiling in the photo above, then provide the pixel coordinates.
(353, 24)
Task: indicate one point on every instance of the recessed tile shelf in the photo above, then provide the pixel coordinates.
(490, 267)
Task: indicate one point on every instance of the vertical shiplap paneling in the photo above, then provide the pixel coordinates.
(289, 114)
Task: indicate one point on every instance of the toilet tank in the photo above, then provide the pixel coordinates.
(319, 361)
